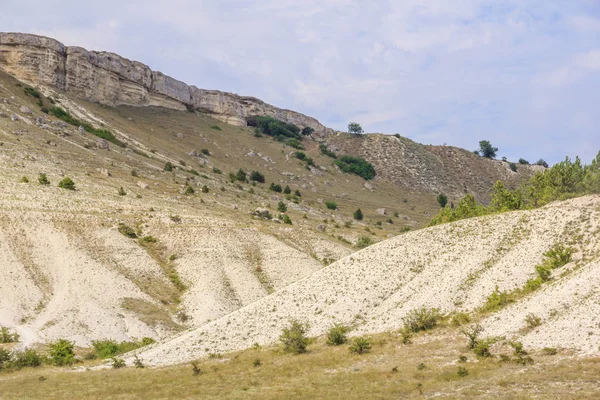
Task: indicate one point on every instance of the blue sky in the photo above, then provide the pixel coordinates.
(523, 74)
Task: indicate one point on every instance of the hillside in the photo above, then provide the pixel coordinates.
(373, 289)
(112, 80)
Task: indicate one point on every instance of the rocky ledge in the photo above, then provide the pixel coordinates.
(112, 80)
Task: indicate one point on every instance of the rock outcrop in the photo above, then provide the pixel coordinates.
(112, 80)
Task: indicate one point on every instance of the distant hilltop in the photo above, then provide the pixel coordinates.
(112, 80)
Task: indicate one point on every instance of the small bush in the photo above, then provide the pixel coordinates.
(512, 166)
(275, 187)
(117, 363)
(217, 170)
(549, 351)
(558, 256)
(24, 179)
(175, 218)
(137, 362)
(240, 175)
(460, 318)
(257, 177)
(122, 191)
(196, 369)
(5, 358)
(523, 161)
(286, 219)
(189, 190)
(206, 152)
(422, 319)
(357, 166)
(281, 207)
(134, 172)
(364, 241)
(61, 352)
(127, 230)
(332, 205)
(462, 371)
(216, 127)
(482, 348)
(32, 92)
(294, 338)
(472, 333)
(8, 336)
(256, 363)
(287, 190)
(43, 179)
(297, 193)
(168, 167)
(336, 335)
(496, 301)
(205, 189)
(533, 320)
(360, 345)
(326, 151)
(148, 239)
(105, 348)
(358, 215)
(67, 183)
(26, 358)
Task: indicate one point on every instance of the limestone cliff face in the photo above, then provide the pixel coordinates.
(112, 80)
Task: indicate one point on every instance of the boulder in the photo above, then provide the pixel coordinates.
(102, 144)
(262, 212)
(381, 211)
(143, 185)
(25, 110)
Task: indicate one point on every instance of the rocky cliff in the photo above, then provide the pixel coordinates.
(112, 80)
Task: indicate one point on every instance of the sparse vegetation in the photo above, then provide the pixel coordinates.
(168, 167)
(105, 134)
(121, 191)
(326, 151)
(127, 230)
(8, 335)
(364, 241)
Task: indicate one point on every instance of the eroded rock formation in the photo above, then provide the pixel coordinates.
(112, 80)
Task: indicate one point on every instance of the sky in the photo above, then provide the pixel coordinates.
(523, 74)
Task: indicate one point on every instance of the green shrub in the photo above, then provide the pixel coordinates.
(442, 199)
(326, 151)
(336, 335)
(294, 338)
(216, 127)
(257, 177)
(356, 165)
(364, 241)
(24, 179)
(297, 193)
(295, 143)
(8, 336)
(61, 352)
(286, 219)
(148, 239)
(273, 127)
(168, 166)
(121, 191)
(287, 190)
(240, 175)
(5, 358)
(360, 345)
(32, 92)
(422, 319)
(512, 166)
(105, 348)
(460, 318)
(472, 333)
(497, 300)
(358, 215)
(482, 348)
(281, 207)
(217, 170)
(189, 190)
(332, 205)
(126, 230)
(117, 363)
(275, 187)
(307, 131)
(549, 351)
(532, 320)
(43, 179)
(206, 152)
(558, 256)
(137, 362)
(205, 189)
(462, 371)
(523, 161)
(67, 183)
